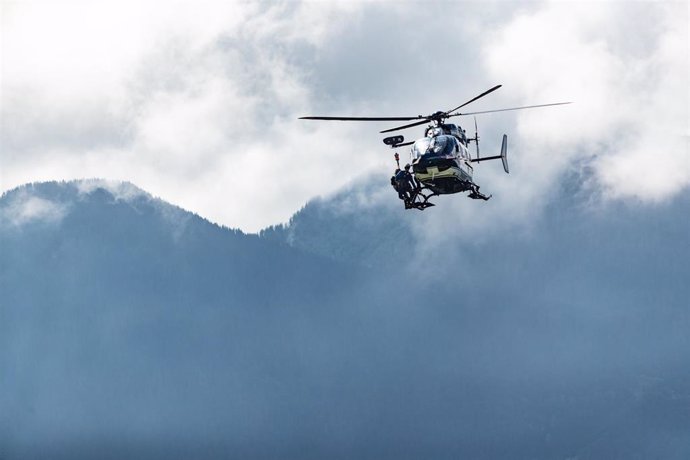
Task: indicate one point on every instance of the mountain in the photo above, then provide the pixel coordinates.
(130, 328)
(355, 225)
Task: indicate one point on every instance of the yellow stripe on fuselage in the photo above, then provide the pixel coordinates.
(432, 173)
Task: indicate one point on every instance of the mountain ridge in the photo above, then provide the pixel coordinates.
(130, 329)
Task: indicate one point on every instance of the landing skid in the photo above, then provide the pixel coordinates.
(421, 196)
(420, 199)
(475, 194)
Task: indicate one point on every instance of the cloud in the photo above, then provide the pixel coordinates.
(24, 208)
(630, 94)
(198, 102)
(193, 103)
(123, 191)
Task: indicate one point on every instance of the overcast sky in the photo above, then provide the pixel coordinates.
(197, 102)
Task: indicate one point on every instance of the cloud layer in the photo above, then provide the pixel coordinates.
(198, 102)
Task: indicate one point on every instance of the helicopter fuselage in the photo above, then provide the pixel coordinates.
(441, 160)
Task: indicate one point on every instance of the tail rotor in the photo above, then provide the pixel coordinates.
(476, 136)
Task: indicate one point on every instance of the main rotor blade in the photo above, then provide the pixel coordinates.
(512, 108)
(426, 120)
(474, 99)
(363, 118)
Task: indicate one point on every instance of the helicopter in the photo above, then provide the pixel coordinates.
(441, 160)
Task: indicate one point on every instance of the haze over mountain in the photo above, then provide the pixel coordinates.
(130, 328)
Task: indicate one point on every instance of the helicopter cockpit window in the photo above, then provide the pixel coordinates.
(420, 147)
(442, 146)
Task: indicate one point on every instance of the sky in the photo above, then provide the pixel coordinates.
(198, 102)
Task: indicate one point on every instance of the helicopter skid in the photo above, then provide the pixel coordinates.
(420, 199)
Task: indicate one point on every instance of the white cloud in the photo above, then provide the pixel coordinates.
(123, 191)
(26, 208)
(193, 102)
(626, 68)
(197, 102)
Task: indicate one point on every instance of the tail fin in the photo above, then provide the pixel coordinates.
(504, 153)
(503, 156)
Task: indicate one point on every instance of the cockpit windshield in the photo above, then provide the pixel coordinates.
(420, 147)
(441, 146)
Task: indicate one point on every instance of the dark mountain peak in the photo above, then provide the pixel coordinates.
(53, 202)
(67, 192)
(115, 231)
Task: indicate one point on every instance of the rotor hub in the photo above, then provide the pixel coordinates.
(438, 116)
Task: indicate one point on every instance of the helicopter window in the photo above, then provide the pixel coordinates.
(442, 146)
(420, 147)
(435, 146)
